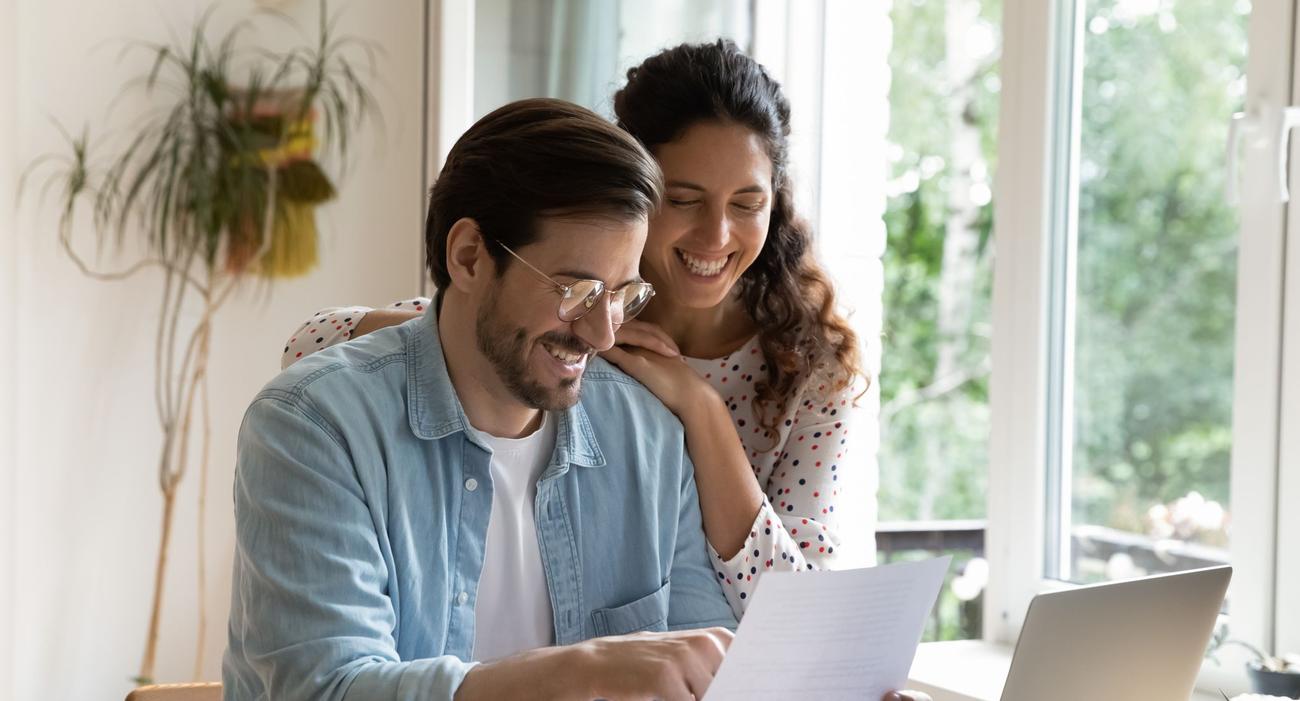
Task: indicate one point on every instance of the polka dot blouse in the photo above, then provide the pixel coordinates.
(797, 527)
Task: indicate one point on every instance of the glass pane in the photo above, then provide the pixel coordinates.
(1155, 287)
(943, 96)
(580, 50)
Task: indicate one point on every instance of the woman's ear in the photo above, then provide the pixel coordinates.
(468, 261)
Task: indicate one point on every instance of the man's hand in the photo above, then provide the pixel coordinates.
(665, 666)
(668, 666)
(907, 696)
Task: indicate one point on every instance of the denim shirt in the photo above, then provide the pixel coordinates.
(362, 499)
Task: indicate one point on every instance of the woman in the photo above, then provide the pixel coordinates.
(770, 368)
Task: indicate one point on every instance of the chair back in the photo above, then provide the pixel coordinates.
(199, 691)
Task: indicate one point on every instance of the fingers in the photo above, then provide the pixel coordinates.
(648, 336)
(676, 665)
(708, 647)
(907, 695)
(619, 357)
(630, 360)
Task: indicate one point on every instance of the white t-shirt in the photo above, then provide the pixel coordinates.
(514, 605)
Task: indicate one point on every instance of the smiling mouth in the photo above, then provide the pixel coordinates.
(703, 267)
(566, 357)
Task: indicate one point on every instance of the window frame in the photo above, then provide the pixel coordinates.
(1036, 182)
(1287, 546)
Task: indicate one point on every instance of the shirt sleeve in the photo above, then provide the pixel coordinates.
(797, 528)
(332, 326)
(695, 600)
(311, 618)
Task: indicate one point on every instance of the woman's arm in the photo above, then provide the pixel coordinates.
(335, 325)
(798, 527)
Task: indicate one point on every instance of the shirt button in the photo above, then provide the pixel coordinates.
(470, 485)
(463, 597)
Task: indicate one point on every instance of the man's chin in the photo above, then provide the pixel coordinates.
(552, 398)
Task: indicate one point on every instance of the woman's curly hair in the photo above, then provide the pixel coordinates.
(786, 291)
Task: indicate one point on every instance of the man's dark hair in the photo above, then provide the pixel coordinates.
(532, 159)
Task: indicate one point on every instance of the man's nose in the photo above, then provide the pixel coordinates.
(596, 328)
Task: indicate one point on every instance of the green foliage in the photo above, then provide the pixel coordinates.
(1157, 259)
(934, 442)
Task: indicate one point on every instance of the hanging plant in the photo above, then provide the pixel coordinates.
(219, 187)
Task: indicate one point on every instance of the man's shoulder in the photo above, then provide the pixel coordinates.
(342, 369)
(613, 396)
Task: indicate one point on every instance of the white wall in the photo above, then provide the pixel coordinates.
(83, 432)
(8, 300)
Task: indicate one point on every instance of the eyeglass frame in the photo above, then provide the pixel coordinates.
(567, 290)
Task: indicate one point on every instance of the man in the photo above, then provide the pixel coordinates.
(468, 486)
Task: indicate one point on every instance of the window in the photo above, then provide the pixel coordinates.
(1146, 334)
(1137, 399)
(938, 271)
(580, 51)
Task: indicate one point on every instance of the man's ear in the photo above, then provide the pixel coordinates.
(468, 261)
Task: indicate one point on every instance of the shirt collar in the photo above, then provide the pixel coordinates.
(435, 412)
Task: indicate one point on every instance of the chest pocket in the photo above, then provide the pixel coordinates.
(649, 613)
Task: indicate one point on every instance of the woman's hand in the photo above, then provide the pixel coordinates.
(645, 352)
(643, 334)
(668, 377)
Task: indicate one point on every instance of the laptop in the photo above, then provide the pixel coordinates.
(1139, 640)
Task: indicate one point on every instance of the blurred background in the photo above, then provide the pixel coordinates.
(1081, 242)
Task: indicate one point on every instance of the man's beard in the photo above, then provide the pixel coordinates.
(506, 349)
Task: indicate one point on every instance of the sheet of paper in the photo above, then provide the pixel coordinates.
(847, 634)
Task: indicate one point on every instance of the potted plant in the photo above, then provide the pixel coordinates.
(218, 187)
(1275, 675)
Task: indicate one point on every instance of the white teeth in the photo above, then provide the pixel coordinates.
(564, 356)
(700, 266)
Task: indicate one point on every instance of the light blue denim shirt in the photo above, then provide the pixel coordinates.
(359, 534)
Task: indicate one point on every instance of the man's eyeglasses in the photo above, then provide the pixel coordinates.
(581, 296)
